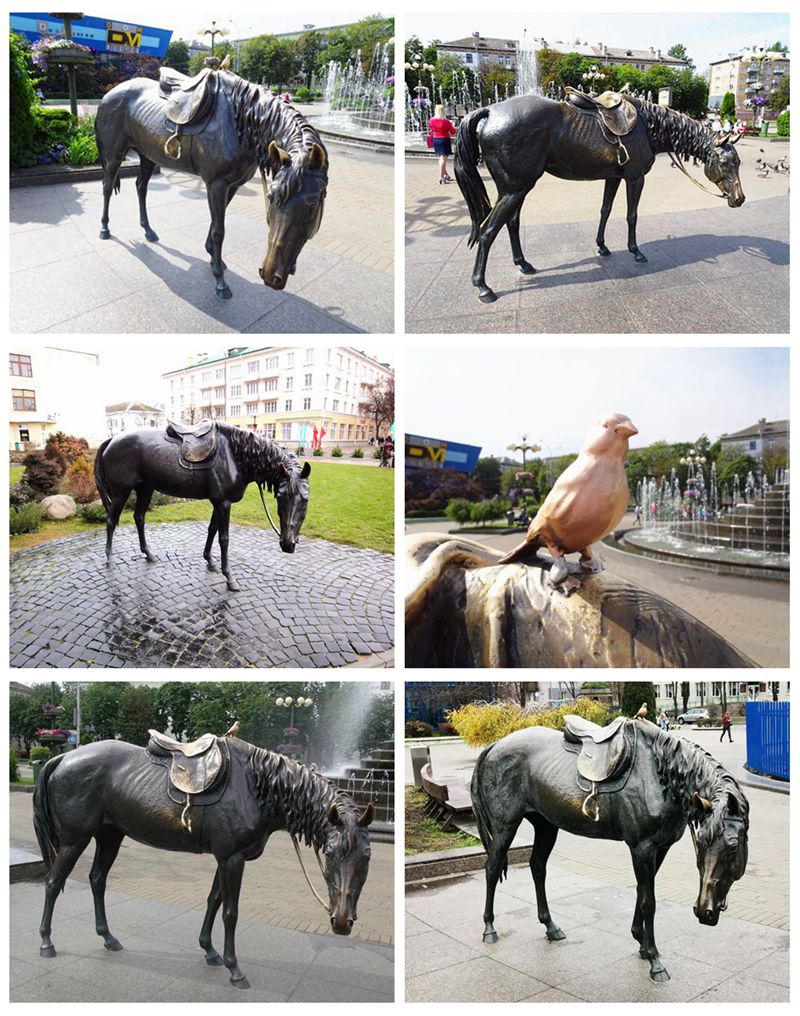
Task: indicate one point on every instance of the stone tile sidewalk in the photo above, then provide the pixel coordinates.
(65, 279)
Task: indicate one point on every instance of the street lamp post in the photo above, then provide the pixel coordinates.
(593, 77)
(214, 32)
(288, 702)
(524, 447)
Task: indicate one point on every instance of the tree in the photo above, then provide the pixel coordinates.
(377, 403)
(634, 693)
(100, 708)
(678, 52)
(137, 714)
(196, 63)
(727, 108)
(269, 60)
(779, 99)
(733, 462)
(172, 703)
(23, 100)
(778, 47)
(307, 50)
(177, 56)
(207, 715)
(487, 473)
(498, 81)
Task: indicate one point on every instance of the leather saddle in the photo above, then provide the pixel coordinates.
(198, 444)
(617, 113)
(605, 755)
(189, 102)
(197, 770)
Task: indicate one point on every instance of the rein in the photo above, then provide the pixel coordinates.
(261, 492)
(682, 168)
(317, 896)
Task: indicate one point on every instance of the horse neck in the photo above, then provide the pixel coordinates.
(671, 131)
(297, 797)
(262, 118)
(259, 459)
(684, 768)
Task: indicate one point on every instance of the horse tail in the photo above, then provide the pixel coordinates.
(100, 476)
(479, 808)
(466, 169)
(43, 823)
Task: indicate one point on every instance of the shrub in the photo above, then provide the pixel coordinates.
(40, 753)
(459, 509)
(70, 447)
(783, 124)
(488, 511)
(480, 724)
(20, 494)
(336, 452)
(357, 453)
(23, 102)
(27, 519)
(82, 149)
(447, 729)
(378, 453)
(41, 475)
(418, 728)
(303, 94)
(318, 452)
(14, 776)
(156, 501)
(92, 513)
(79, 481)
(54, 454)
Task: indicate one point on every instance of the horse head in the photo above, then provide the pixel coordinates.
(291, 493)
(720, 838)
(347, 854)
(296, 199)
(722, 168)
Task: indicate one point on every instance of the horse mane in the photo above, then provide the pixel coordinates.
(259, 457)
(261, 118)
(302, 796)
(684, 767)
(671, 131)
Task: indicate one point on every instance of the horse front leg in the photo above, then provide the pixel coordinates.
(212, 532)
(117, 504)
(644, 857)
(209, 240)
(56, 877)
(495, 862)
(217, 203)
(543, 842)
(109, 840)
(230, 871)
(146, 167)
(223, 522)
(637, 927)
(214, 901)
(609, 193)
(634, 188)
(499, 216)
(144, 495)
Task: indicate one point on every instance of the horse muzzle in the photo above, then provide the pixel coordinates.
(287, 546)
(707, 915)
(272, 279)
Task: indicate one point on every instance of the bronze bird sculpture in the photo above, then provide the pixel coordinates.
(234, 730)
(586, 503)
(642, 711)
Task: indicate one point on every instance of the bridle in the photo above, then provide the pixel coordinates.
(317, 896)
(679, 163)
(261, 492)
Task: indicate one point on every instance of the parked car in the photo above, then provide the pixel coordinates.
(693, 715)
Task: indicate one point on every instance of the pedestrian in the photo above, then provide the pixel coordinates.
(663, 720)
(441, 131)
(726, 727)
(637, 511)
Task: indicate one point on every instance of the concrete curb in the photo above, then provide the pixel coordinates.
(753, 779)
(38, 176)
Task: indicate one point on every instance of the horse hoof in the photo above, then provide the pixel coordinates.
(241, 983)
(223, 292)
(151, 236)
(525, 268)
(490, 937)
(603, 251)
(47, 951)
(210, 566)
(232, 587)
(639, 257)
(556, 935)
(487, 296)
(112, 944)
(659, 976)
(151, 558)
(105, 234)
(214, 961)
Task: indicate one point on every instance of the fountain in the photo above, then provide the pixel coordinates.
(360, 103)
(740, 529)
(527, 67)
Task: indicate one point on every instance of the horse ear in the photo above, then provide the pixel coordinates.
(277, 157)
(700, 804)
(368, 815)
(333, 815)
(734, 807)
(738, 138)
(305, 471)
(721, 139)
(317, 159)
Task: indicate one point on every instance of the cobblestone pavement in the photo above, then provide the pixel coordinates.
(699, 251)
(326, 605)
(752, 614)
(64, 278)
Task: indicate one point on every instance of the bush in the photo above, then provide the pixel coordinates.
(303, 94)
(156, 501)
(378, 453)
(79, 481)
(783, 124)
(336, 452)
(488, 511)
(70, 447)
(318, 452)
(418, 728)
(27, 519)
(23, 103)
(54, 454)
(20, 494)
(82, 150)
(357, 453)
(41, 475)
(40, 753)
(480, 724)
(92, 513)
(14, 776)
(459, 510)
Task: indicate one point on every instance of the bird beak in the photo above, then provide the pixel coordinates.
(626, 429)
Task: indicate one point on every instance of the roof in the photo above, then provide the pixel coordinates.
(133, 407)
(594, 52)
(762, 428)
(772, 55)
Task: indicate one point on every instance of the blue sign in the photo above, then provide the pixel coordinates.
(434, 453)
(73, 738)
(103, 35)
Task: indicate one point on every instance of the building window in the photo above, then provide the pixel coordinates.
(271, 384)
(307, 403)
(252, 367)
(272, 363)
(251, 408)
(269, 431)
(205, 378)
(468, 58)
(336, 405)
(286, 432)
(752, 446)
(287, 406)
(339, 360)
(271, 406)
(251, 387)
(290, 359)
(236, 391)
(219, 393)
(289, 384)
(219, 374)
(19, 365)
(309, 356)
(23, 401)
(307, 380)
(236, 370)
(236, 410)
(337, 384)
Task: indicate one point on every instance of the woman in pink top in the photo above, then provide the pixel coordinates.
(442, 130)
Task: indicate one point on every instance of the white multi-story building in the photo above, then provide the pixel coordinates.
(122, 416)
(282, 392)
(760, 438)
(747, 75)
(52, 389)
(703, 692)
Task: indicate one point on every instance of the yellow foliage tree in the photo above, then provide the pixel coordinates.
(480, 725)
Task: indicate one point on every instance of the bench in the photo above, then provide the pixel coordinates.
(605, 755)
(617, 113)
(194, 768)
(198, 443)
(446, 801)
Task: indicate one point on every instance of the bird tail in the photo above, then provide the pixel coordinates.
(525, 551)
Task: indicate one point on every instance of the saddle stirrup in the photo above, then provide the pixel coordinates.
(592, 797)
(186, 818)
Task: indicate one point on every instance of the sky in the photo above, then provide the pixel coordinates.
(492, 397)
(706, 36)
(132, 370)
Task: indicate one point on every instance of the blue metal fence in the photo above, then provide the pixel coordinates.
(768, 738)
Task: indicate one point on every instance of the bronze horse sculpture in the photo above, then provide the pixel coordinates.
(529, 135)
(225, 128)
(219, 796)
(628, 781)
(211, 461)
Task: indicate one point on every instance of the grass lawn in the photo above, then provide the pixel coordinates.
(16, 474)
(424, 834)
(349, 504)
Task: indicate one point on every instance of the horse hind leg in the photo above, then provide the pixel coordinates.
(545, 834)
(108, 841)
(117, 504)
(146, 167)
(144, 495)
(56, 877)
(524, 267)
(507, 205)
(609, 193)
(496, 862)
(111, 166)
